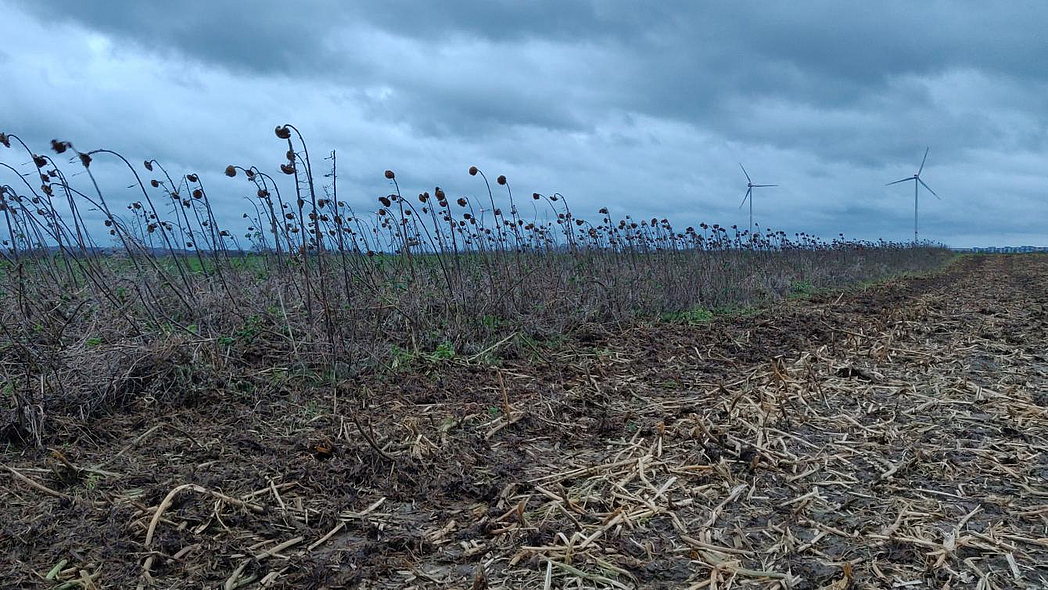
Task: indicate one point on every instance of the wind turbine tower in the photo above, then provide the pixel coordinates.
(916, 178)
(749, 197)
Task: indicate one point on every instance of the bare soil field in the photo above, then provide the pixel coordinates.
(890, 437)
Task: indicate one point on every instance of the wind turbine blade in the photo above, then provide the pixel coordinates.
(921, 169)
(748, 191)
(929, 188)
(744, 172)
(756, 185)
(898, 181)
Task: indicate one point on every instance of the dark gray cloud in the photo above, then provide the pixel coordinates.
(644, 108)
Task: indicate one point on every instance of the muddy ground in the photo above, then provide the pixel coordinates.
(882, 438)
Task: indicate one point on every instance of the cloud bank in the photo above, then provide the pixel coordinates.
(645, 109)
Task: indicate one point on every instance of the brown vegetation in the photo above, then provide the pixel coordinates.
(869, 439)
(179, 309)
(444, 394)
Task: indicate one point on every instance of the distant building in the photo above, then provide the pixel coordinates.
(1003, 249)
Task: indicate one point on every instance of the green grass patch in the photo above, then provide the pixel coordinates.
(801, 289)
(691, 317)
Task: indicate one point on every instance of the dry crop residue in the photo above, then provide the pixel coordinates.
(893, 437)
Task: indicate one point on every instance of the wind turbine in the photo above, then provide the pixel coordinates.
(749, 197)
(916, 178)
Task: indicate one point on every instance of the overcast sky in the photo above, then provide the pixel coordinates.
(646, 108)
